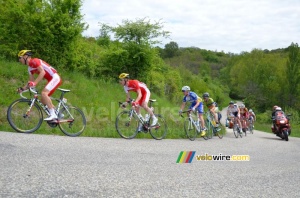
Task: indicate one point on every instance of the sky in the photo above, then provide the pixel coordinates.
(219, 25)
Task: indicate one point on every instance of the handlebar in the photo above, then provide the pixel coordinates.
(31, 89)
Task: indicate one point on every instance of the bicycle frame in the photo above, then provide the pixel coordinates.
(192, 122)
(35, 99)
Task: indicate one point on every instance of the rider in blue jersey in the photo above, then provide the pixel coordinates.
(196, 105)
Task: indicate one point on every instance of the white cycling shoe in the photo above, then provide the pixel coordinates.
(154, 121)
(51, 117)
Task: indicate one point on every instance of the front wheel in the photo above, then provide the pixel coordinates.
(190, 129)
(22, 118)
(236, 130)
(127, 126)
(159, 131)
(71, 121)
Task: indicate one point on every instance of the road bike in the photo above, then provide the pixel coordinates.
(212, 130)
(192, 125)
(251, 124)
(236, 128)
(128, 121)
(25, 115)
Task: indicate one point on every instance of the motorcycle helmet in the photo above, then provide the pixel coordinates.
(278, 109)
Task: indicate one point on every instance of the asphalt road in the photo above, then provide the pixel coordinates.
(59, 166)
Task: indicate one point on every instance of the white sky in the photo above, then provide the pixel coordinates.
(218, 25)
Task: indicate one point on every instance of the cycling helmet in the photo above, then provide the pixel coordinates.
(242, 106)
(274, 108)
(250, 110)
(205, 95)
(185, 88)
(25, 52)
(123, 75)
(231, 102)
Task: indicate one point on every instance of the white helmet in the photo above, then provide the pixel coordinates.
(278, 109)
(242, 106)
(185, 88)
(250, 110)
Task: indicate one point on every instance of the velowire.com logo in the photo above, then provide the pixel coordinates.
(188, 156)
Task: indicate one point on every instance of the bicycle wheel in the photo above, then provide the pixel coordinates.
(126, 127)
(190, 129)
(71, 121)
(209, 132)
(251, 127)
(235, 130)
(21, 119)
(159, 131)
(219, 132)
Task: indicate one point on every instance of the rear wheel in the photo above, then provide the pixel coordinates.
(127, 126)
(286, 135)
(71, 121)
(22, 119)
(159, 131)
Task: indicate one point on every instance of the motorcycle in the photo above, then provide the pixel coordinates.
(281, 125)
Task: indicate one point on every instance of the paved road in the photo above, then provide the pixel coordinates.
(58, 166)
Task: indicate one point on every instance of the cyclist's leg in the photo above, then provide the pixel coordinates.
(47, 92)
(200, 110)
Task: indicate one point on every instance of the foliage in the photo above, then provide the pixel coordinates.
(49, 28)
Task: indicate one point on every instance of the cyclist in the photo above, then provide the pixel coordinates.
(143, 96)
(244, 116)
(196, 104)
(212, 106)
(233, 112)
(252, 117)
(44, 70)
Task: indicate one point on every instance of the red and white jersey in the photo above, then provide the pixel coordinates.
(134, 85)
(35, 63)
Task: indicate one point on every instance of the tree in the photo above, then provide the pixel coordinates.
(293, 74)
(49, 28)
(171, 50)
(136, 38)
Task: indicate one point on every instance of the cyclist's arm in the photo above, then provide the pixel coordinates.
(41, 74)
(139, 95)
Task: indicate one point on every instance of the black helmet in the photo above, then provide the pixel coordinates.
(231, 102)
(205, 95)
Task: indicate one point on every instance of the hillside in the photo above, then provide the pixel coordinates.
(96, 97)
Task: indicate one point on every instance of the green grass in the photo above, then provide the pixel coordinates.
(97, 98)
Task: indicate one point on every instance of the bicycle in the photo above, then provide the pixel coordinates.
(211, 129)
(236, 128)
(25, 115)
(244, 124)
(192, 126)
(127, 124)
(251, 124)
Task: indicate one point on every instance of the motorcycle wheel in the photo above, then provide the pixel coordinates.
(286, 135)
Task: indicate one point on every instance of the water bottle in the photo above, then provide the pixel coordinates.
(147, 117)
(213, 123)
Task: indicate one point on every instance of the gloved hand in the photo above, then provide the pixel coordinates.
(134, 104)
(31, 84)
(193, 109)
(20, 90)
(180, 112)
